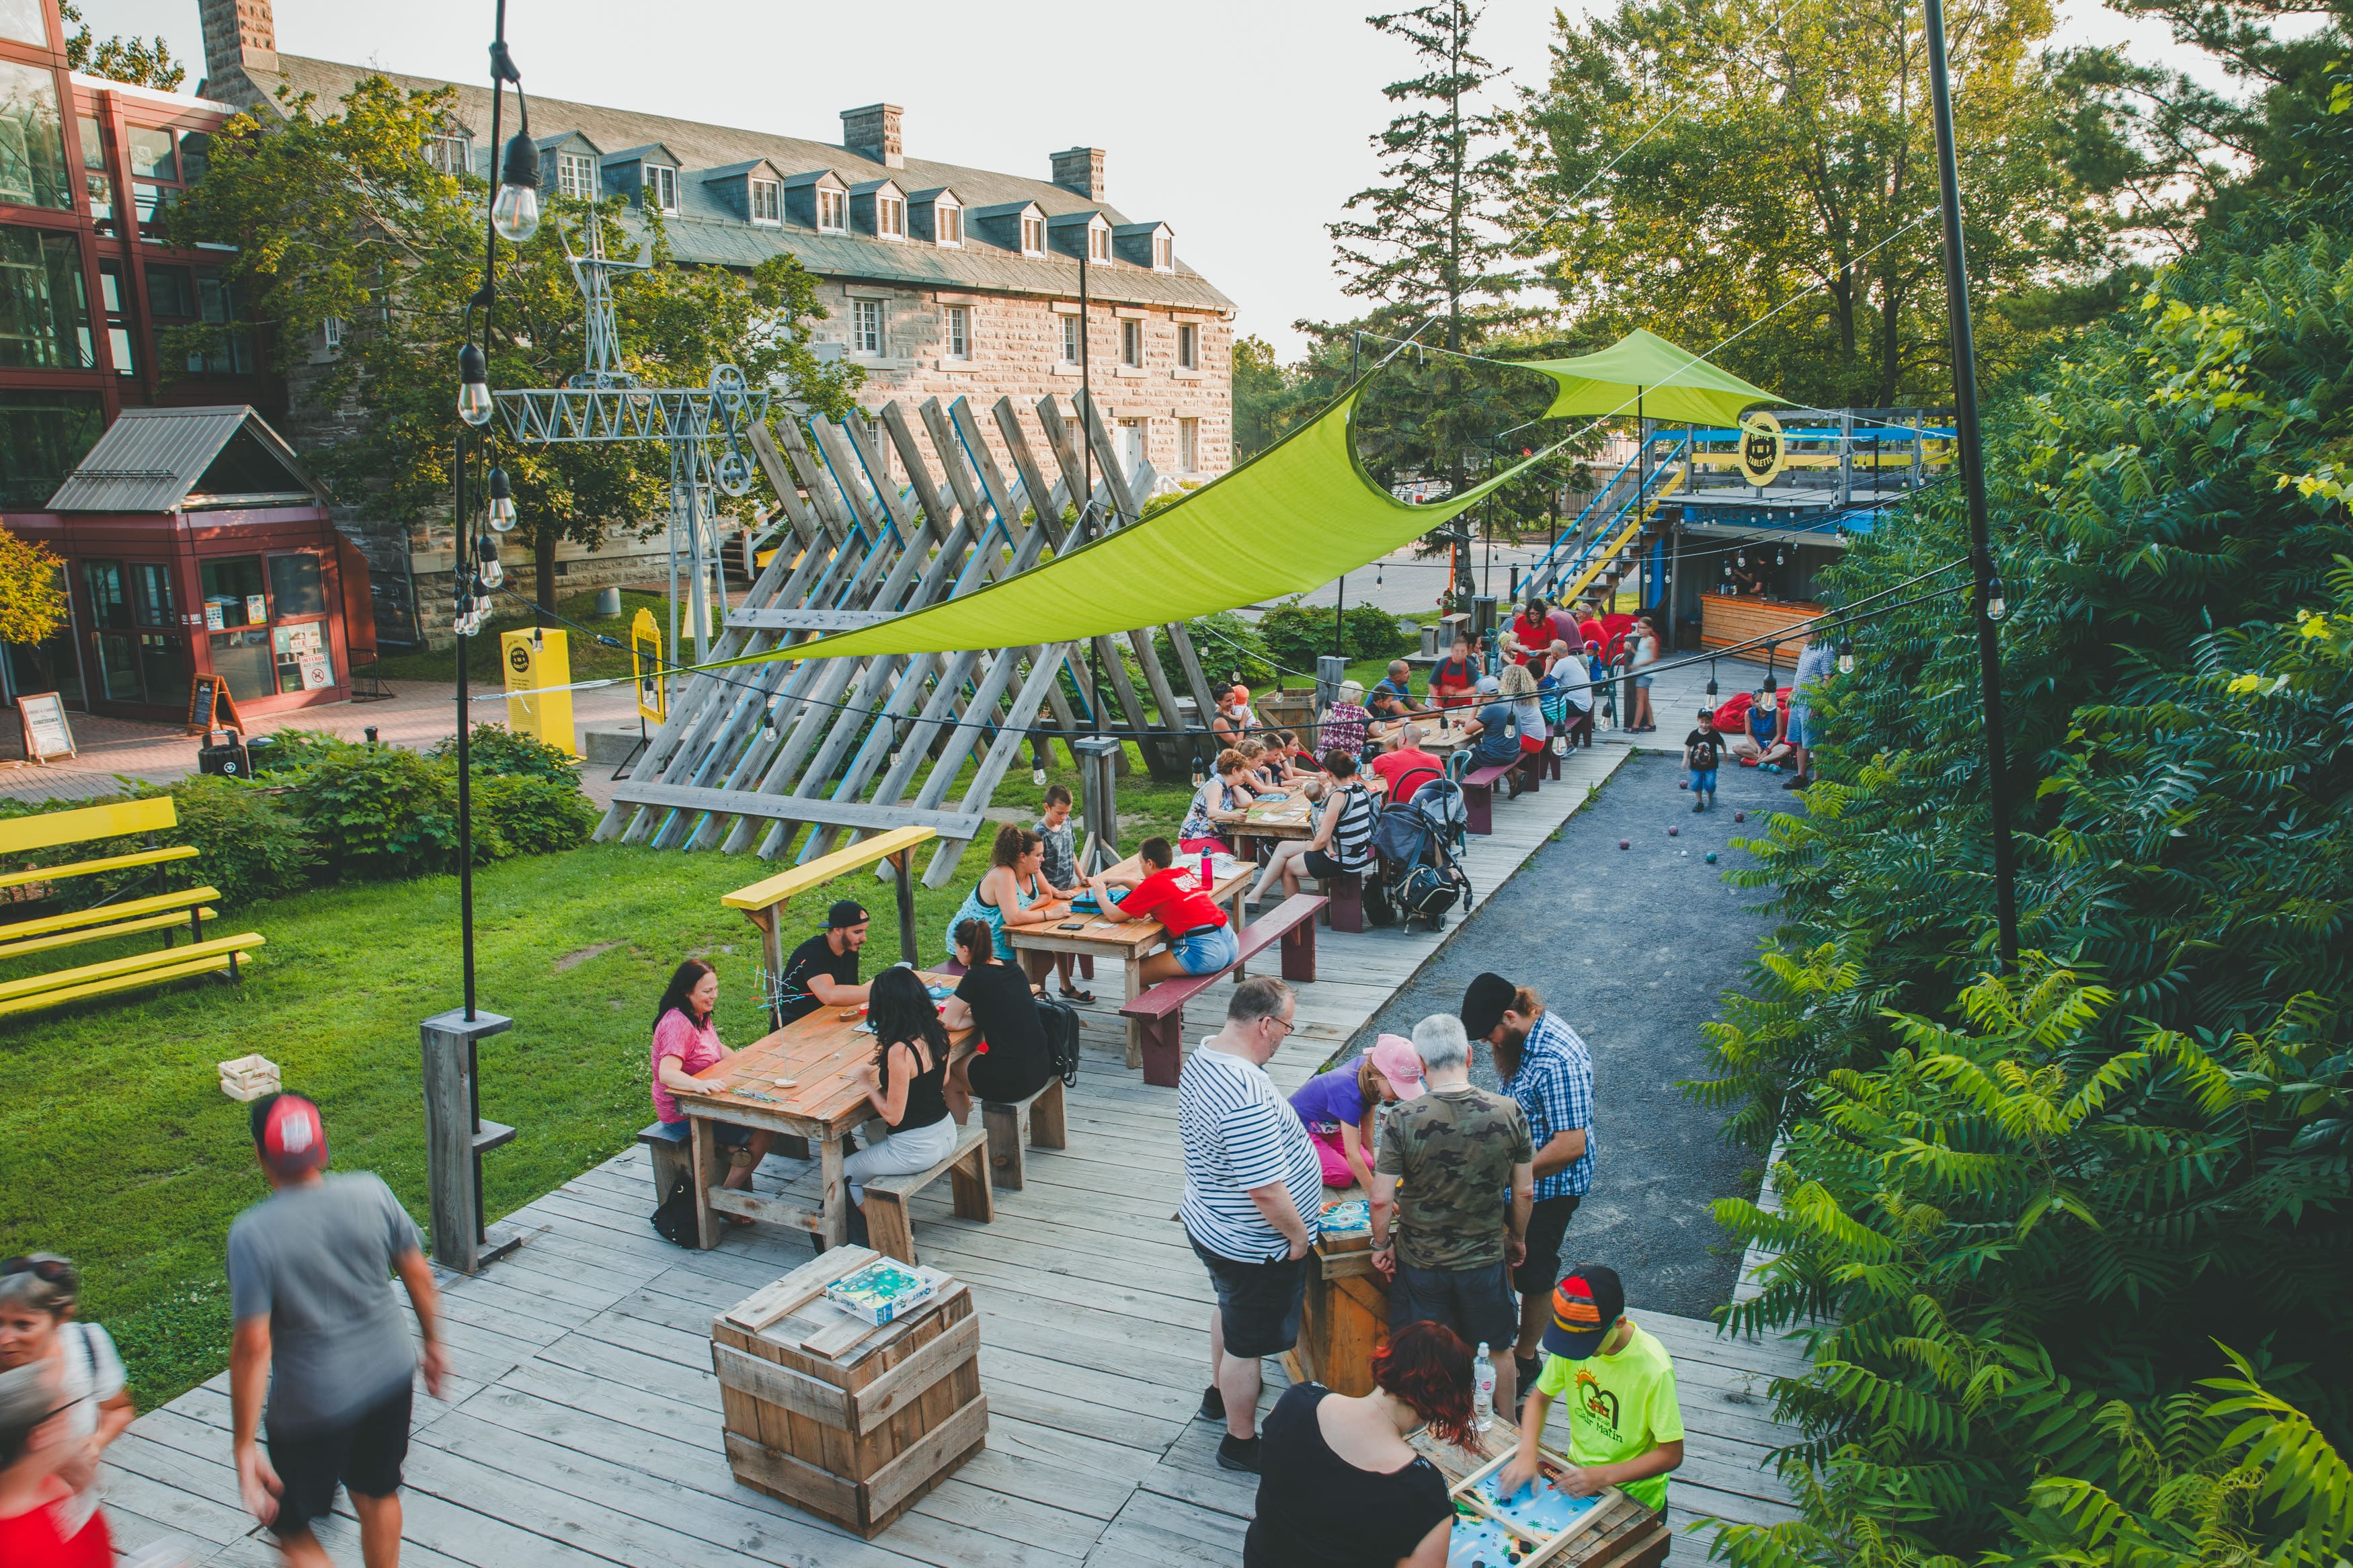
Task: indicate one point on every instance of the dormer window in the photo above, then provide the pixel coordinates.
(891, 216)
(660, 188)
(1098, 242)
(1164, 253)
(767, 202)
(452, 153)
(948, 224)
(832, 210)
(1033, 236)
(575, 175)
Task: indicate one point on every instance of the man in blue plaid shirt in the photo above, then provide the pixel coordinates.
(1543, 1065)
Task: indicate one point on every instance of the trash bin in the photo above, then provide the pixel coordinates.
(263, 753)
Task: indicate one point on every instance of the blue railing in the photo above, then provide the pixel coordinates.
(1552, 569)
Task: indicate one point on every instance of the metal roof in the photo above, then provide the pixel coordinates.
(152, 460)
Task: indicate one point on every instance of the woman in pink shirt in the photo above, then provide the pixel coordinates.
(685, 1044)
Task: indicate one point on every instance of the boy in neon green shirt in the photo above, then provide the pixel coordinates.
(1625, 1428)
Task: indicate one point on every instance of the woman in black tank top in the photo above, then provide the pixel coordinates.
(906, 1084)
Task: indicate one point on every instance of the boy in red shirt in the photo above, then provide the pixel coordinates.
(1200, 941)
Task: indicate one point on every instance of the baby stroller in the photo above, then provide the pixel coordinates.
(1418, 852)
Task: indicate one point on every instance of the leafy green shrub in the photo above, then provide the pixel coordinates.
(1297, 635)
(533, 815)
(1372, 633)
(301, 748)
(379, 813)
(497, 750)
(250, 845)
(1226, 644)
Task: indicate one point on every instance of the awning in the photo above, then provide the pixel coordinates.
(1643, 370)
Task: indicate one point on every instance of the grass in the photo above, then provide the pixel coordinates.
(124, 1153)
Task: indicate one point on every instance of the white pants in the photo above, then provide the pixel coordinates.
(900, 1154)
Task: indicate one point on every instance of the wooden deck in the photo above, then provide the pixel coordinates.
(582, 1420)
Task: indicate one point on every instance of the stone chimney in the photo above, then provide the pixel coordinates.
(238, 34)
(1081, 170)
(874, 131)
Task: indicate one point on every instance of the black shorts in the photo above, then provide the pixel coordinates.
(1476, 1303)
(364, 1457)
(1546, 1226)
(1321, 867)
(1258, 1303)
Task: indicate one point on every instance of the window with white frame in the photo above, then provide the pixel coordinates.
(767, 202)
(865, 326)
(331, 333)
(1164, 253)
(1069, 340)
(1131, 343)
(452, 153)
(661, 188)
(1188, 445)
(1098, 242)
(832, 209)
(1188, 346)
(948, 224)
(959, 331)
(575, 175)
(891, 218)
(1033, 236)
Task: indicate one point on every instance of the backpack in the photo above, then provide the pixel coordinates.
(1059, 1021)
(1426, 892)
(1379, 910)
(675, 1219)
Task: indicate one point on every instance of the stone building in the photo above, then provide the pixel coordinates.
(941, 280)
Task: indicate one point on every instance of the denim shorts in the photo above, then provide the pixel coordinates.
(1205, 950)
(1703, 779)
(1802, 734)
(1259, 1304)
(1476, 1303)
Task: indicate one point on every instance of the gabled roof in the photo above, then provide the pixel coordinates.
(188, 460)
(564, 139)
(814, 177)
(760, 166)
(933, 195)
(875, 187)
(1064, 220)
(643, 154)
(1006, 209)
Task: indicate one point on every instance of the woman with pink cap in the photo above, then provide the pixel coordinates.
(1338, 1105)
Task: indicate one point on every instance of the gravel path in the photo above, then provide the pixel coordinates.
(1632, 947)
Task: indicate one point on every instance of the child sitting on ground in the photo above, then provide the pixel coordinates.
(1703, 750)
(1061, 868)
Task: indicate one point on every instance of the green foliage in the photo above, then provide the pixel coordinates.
(380, 812)
(142, 62)
(1225, 644)
(532, 814)
(31, 595)
(1296, 634)
(494, 749)
(249, 845)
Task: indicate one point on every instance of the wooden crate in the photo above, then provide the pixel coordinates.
(1618, 1533)
(851, 1423)
(1344, 1315)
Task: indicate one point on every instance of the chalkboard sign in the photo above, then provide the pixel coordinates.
(47, 733)
(210, 707)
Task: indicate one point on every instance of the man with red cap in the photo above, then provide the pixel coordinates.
(310, 1274)
(1625, 1424)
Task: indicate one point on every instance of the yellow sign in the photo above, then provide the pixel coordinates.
(539, 682)
(645, 665)
(1764, 450)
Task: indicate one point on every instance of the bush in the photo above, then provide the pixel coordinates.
(379, 813)
(1297, 635)
(530, 815)
(251, 847)
(1227, 646)
(301, 748)
(498, 751)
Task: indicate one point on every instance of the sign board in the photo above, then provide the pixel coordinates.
(210, 707)
(47, 733)
(646, 666)
(1763, 450)
(538, 666)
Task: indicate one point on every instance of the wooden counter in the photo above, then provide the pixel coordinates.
(1726, 621)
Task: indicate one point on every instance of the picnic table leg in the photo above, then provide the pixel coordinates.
(701, 1148)
(1234, 914)
(833, 1200)
(1134, 982)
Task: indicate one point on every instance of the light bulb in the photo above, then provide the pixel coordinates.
(473, 386)
(1846, 657)
(1560, 745)
(465, 623)
(481, 606)
(1037, 777)
(1997, 607)
(1711, 680)
(502, 506)
(516, 212)
(493, 573)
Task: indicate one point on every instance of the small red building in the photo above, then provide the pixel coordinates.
(195, 544)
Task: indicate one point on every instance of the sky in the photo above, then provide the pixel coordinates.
(1243, 124)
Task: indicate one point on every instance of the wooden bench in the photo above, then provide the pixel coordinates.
(1160, 1011)
(1013, 1125)
(1344, 892)
(890, 1225)
(1479, 795)
(762, 902)
(161, 911)
(671, 1153)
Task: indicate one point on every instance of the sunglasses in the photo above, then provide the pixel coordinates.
(49, 1270)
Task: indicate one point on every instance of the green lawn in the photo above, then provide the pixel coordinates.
(124, 1153)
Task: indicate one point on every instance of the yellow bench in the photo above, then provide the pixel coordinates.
(164, 911)
(762, 902)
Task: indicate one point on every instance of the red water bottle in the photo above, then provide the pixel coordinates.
(1208, 875)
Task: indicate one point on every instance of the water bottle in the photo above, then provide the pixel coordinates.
(1483, 1389)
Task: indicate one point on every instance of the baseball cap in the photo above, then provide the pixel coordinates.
(1585, 1305)
(1484, 1002)
(846, 912)
(291, 1137)
(1394, 1059)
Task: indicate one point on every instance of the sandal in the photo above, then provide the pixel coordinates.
(1070, 995)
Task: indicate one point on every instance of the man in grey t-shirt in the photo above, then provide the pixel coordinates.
(309, 1272)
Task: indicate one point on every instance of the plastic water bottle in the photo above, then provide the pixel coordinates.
(1483, 1389)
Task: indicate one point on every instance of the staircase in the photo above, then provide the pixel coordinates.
(1606, 541)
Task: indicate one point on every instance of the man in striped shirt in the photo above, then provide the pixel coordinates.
(1253, 1190)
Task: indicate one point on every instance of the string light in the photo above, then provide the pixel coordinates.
(1846, 656)
(1997, 605)
(1711, 678)
(473, 386)
(502, 506)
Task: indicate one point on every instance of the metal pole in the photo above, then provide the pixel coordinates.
(1970, 452)
(1340, 610)
(1087, 465)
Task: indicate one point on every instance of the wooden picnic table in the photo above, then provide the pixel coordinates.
(820, 1054)
(1126, 942)
(1442, 741)
(1289, 817)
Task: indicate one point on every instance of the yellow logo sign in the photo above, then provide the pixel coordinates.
(645, 665)
(1763, 449)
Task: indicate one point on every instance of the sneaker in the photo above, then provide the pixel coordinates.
(1213, 1403)
(1238, 1452)
(1798, 782)
(1699, 806)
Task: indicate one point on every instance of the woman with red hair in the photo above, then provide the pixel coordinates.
(1338, 1485)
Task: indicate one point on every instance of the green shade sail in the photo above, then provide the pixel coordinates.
(1673, 385)
(1291, 520)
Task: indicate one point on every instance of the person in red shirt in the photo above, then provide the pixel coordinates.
(1200, 941)
(1407, 768)
(1452, 679)
(34, 1446)
(1531, 633)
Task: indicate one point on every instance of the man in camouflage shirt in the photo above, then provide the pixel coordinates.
(1455, 1151)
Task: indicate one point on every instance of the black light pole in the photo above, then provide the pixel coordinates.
(1988, 604)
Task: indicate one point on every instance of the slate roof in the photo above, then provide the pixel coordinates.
(705, 230)
(157, 460)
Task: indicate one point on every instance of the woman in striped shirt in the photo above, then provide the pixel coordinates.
(1343, 837)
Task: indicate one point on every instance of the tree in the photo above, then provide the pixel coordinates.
(142, 62)
(31, 594)
(339, 216)
(1699, 170)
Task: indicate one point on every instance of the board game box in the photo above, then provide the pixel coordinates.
(885, 1290)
